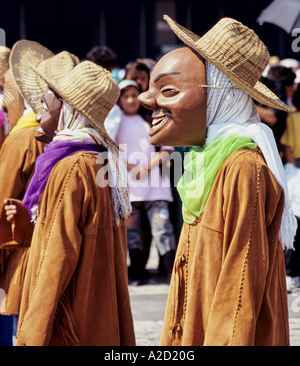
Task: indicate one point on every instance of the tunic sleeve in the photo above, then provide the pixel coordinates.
(252, 210)
(12, 180)
(17, 161)
(54, 253)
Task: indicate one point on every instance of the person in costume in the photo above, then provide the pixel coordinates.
(228, 283)
(76, 290)
(20, 151)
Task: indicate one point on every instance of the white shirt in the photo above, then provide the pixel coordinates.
(112, 121)
(293, 182)
(134, 141)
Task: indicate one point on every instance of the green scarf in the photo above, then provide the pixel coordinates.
(201, 165)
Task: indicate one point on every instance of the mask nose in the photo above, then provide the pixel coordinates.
(147, 100)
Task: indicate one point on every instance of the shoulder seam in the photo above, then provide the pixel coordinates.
(242, 153)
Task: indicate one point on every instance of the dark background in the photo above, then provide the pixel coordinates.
(131, 28)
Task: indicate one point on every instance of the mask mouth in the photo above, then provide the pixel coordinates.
(158, 117)
(41, 135)
(157, 123)
(39, 129)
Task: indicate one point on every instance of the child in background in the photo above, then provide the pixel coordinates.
(140, 72)
(148, 190)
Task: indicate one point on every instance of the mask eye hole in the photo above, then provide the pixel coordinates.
(169, 91)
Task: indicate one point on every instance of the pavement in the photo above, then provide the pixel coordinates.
(149, 300)
(148, 303)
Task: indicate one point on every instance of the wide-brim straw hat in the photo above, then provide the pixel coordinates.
(90, 89)
(235, 50)
(26, 53)
(4, 62)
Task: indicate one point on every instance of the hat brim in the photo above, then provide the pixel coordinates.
(31, 87)
(4, 62)
(259, 91)
(61, 92)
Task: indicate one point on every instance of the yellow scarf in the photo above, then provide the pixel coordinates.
(27, 120)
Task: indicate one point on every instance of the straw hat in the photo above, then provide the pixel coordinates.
(25, 53)
(4, 64)
(89, 89)
(236, 51)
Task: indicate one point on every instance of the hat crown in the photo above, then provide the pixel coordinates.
(237, 48)
(90, 89)
(237, 52)
(25, 56)
(57, 65)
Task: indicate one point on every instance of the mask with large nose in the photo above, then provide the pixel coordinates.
(177, 99)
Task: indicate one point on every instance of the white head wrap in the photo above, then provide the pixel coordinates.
(230, 111)
(72, 126)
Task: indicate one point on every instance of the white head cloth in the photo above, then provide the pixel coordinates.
(72, 126)
(230, 111)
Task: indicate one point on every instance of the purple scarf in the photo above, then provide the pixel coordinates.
(53, 153)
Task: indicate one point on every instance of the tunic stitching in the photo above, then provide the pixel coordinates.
(177, 325)
(239, 304)
(187, 274)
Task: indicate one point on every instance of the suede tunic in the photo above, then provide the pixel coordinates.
(75, 290)
(228, 284)
(17, 163)
(2, 136)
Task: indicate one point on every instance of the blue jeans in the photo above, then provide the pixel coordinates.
(6, 330)
(161, 226)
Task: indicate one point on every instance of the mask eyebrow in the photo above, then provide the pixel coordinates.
(159, 76)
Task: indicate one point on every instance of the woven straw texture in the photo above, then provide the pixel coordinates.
(4, 61)
(29, 86)
(89, 89)
(27, 53)
(236, 51)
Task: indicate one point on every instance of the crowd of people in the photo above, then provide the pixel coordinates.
(282, 76)
(58, 114)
